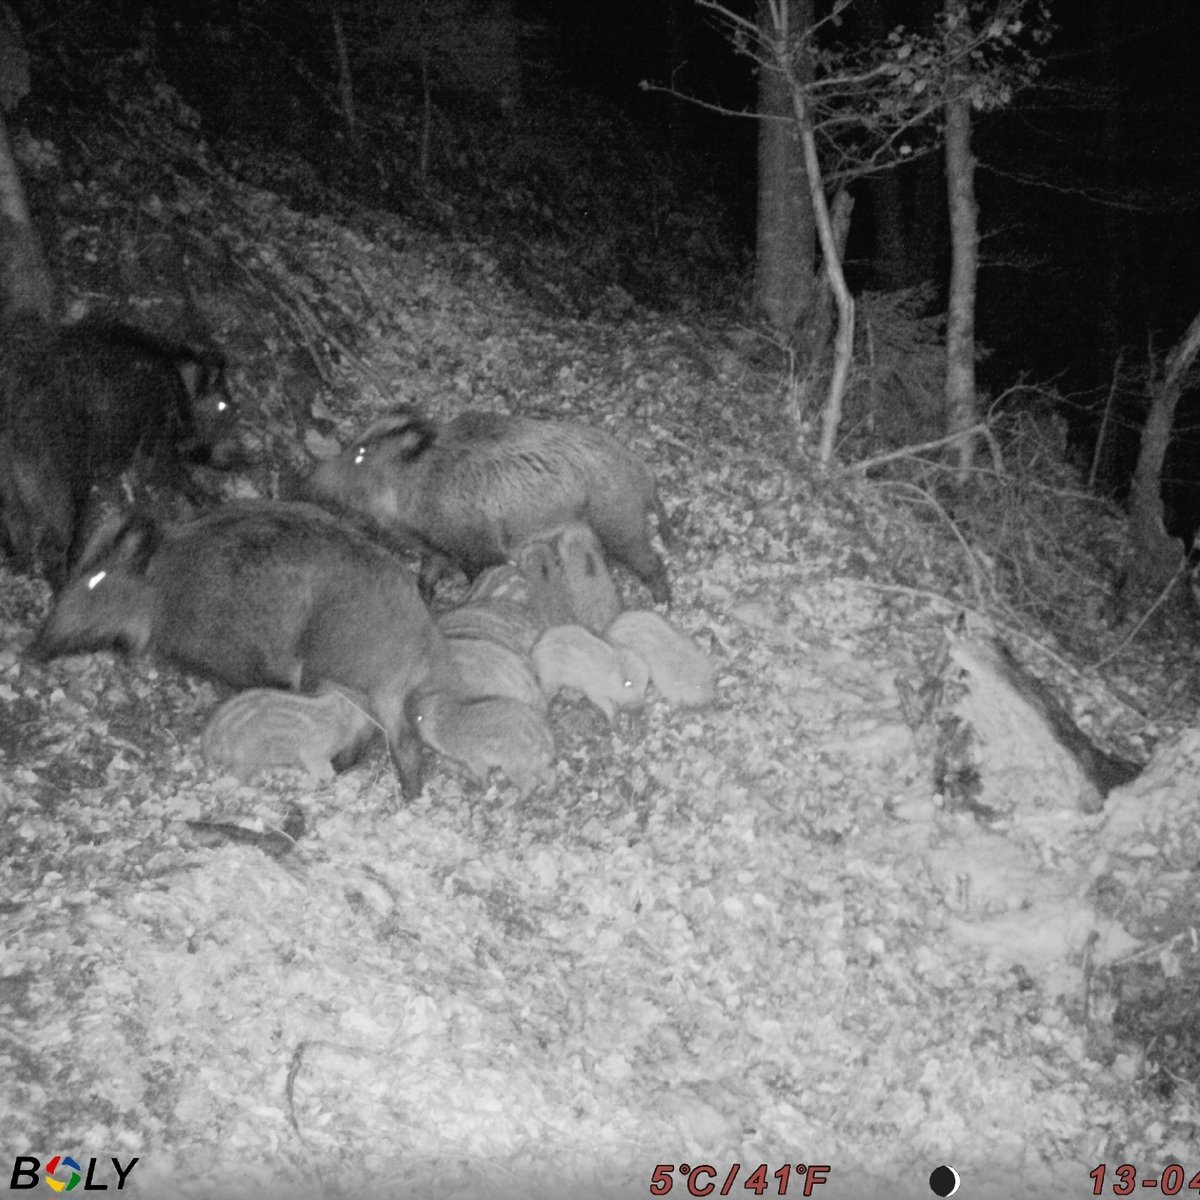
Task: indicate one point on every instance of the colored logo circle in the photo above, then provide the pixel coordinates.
(52, 1169)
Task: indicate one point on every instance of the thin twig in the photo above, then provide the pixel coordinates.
(977, 572)
(1104, 420)
(1158, 603)
(861, 468)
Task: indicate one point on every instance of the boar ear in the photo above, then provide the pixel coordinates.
(129, 542)
(191, 372)
(202, 369)
(407, 434)
(140, 539)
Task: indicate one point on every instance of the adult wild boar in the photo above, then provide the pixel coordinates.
(483, 485)
(82, 404)
(262, 594)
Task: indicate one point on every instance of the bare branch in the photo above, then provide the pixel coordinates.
(647, 86)
(872, 107)
(731, 17)
(869, 464)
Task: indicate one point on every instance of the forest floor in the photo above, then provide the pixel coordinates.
(739, 937)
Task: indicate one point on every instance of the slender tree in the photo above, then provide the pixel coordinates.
(344, 74)
(781, 50)
(858, 109)
(783, 276)
(891, 261)
(961, 402)
(25, 284)
(1157, 557)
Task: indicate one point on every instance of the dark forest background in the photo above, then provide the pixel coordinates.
(527, 118)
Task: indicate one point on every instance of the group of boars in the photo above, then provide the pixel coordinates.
(307, 607)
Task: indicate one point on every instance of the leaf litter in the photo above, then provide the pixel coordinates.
(742, 935)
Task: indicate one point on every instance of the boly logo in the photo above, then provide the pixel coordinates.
(52, 1170)
(63, 1174)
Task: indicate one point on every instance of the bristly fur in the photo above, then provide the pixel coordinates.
(263, 594)
(483, 485)
(86, 405)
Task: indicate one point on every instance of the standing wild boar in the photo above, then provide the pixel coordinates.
(483, 485)
(263, 594)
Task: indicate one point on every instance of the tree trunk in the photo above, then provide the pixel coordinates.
(426, 93)
(885, 188)
(1116, 247)
(925, 181)
(780, 42)
(783, 282)
(843, 347)
(674, 52)
(14, 61)
(822, 311)
(926, 225)
(887, 219)
(345, 77)
(25, 285)
(1156, 557)
(961, 403)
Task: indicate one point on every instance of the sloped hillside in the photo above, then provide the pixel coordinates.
(750, 935)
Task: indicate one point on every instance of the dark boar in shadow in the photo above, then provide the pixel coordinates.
(81, 404)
